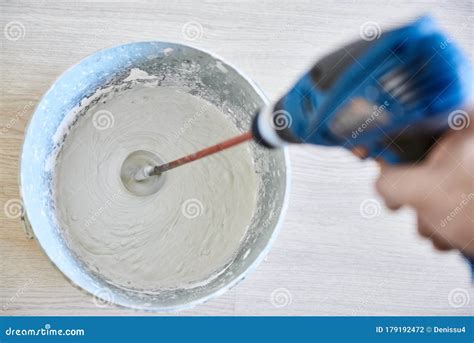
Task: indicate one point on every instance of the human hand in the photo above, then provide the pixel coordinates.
(440, 189)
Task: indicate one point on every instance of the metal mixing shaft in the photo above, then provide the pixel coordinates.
(148, 171)
(141, 172)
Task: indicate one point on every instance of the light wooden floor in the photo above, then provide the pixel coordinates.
(328, 259)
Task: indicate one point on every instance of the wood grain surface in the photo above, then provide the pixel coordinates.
(328, 258)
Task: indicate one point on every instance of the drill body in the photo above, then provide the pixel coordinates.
(389, 97)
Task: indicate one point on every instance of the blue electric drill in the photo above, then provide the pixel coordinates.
(388, 98)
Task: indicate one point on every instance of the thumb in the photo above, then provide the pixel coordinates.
(404, 185)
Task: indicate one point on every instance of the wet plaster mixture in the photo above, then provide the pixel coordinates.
(181, 236)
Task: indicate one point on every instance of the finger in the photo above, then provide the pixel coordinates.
(359, 151)
(403, 185)
(393, 207)
(381, 163)
(440, 243)
(430, 231)
(424, 229)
